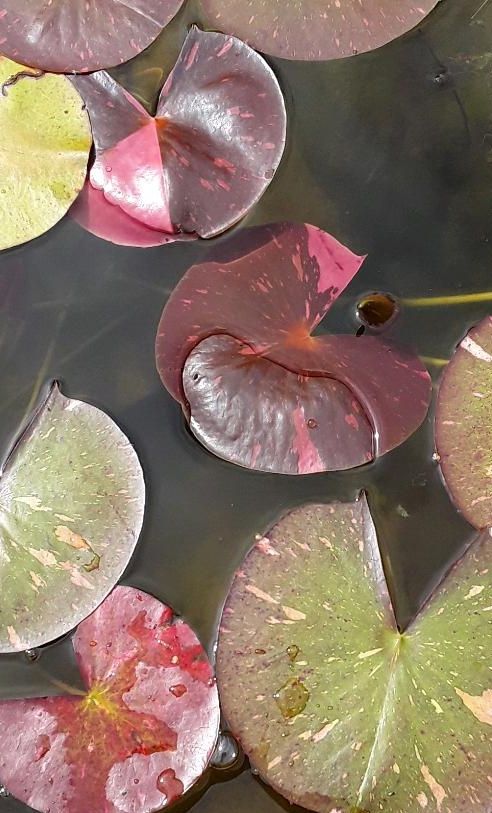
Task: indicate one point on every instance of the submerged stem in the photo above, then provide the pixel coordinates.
(453, 299)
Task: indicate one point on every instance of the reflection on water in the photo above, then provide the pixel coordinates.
(392, 152)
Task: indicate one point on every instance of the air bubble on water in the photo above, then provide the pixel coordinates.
(3, 792)
(227, 752)
(32, 655)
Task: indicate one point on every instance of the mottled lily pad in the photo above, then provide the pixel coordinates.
(464, 425)
(316, 29)
(207, 156)
(80, 35)
(141, 735)
(235, 348)
(45, 139)
(72, 498)
(337, 709)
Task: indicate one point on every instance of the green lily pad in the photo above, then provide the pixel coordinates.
(338, 710)
(72, 498)
(45, 139)
(464, 425)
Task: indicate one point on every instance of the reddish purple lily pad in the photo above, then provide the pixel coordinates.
(80, 36)
(316, 29)
(464, 425)
(234, 347)
(142, 734)
(203, 161)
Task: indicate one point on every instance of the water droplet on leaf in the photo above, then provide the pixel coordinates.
(179, 690)
(292, 698)
(171, 787)
(227, 752)
(292, 652)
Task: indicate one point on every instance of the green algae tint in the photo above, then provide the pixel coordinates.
(368, 718)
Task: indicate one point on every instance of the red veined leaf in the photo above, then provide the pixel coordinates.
(142, 734)
(207, 156)
(316, 29)
(80, 36)
(235, 347)
(464, 423)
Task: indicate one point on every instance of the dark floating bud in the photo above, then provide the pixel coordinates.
(377, 310)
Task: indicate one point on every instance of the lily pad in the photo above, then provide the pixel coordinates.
(336, 708)
(235, 348)
(464, 425)
(211, 150)
(80, 36)
(141, 735)
(316, 29)
(72, 498)
(45, 139)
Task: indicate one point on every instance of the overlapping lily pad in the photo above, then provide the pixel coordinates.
(235, 348)
(142, 734)
(71, 509)
(45, 140)
(316, 29)
(464, 425)
(337, 709)
(206, 157)
(66, 36)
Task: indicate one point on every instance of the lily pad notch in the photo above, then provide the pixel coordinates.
(72, 497)
(197, 166)
(335, 707)
(235, 348)
(144, 731)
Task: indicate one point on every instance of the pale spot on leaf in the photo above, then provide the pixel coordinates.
(437, 790)
(480, 706)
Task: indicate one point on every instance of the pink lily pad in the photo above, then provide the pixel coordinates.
(315, 29)
(80, 36)
(207, 156)
(464, 425)
(142, 734)
(235, 348)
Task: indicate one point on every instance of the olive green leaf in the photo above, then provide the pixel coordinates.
(45, 139)
(72, 498)
(338, 710)
(464, 424)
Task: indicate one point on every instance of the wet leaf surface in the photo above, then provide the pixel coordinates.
(234, 346)
(45, 140)
(335, 707)
(71, 509)
(140, 736)
(80, 35)
(464, 424)
(316, 29)
(207, 156)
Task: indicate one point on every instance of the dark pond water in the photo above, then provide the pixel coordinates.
(392, 153)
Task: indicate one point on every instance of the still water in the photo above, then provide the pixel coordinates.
(392, 153)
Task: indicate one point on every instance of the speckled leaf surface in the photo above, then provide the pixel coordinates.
(45, 139)
(72, 499)
(203, 161)
(336, 709)
(142, 734)
(66, 36)
(464, 425)
(316, 29)
(234, 346)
